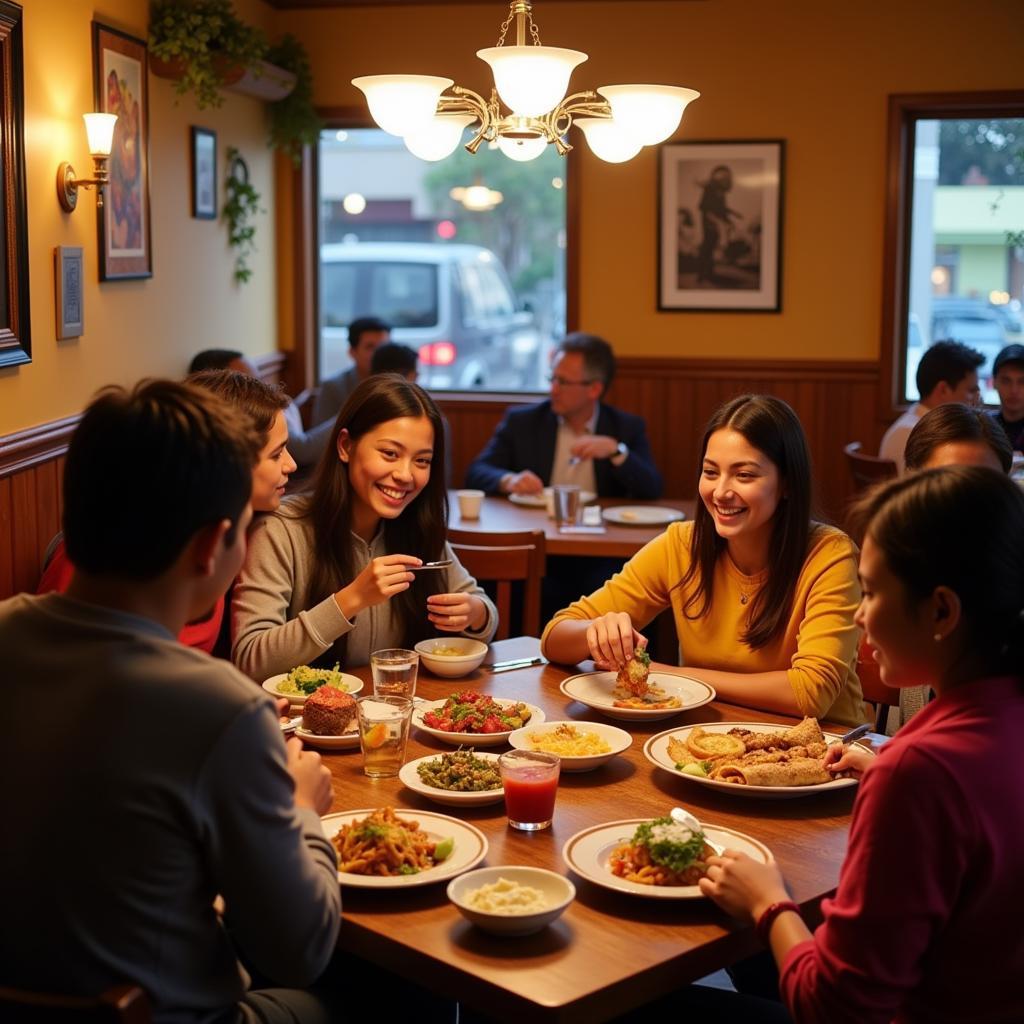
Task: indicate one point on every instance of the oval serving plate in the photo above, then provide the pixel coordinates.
(595, 690)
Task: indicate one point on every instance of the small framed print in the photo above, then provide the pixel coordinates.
(204, 173)
(70, 298)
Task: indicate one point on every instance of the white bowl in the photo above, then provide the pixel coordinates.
(452, 666)
(558, 891)
(618, 739)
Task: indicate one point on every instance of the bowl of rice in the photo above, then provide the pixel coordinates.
(582, 746)
(451, 656)
(510, 900)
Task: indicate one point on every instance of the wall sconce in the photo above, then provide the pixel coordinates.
(100, 130)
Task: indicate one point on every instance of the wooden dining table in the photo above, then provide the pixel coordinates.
(500, 514)
(609, 952)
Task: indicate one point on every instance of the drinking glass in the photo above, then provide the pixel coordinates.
(566, 503)
(383, 734)
(530, 779)
(394, 672)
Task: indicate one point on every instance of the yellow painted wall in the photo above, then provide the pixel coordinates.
(144, 327)
(816, 73)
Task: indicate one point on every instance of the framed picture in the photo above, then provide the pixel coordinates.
(121, 83)
(15, 337)
(67, 266)
(720, 226)
(204, 173)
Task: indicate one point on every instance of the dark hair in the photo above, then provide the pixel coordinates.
(213, 359)
(393, 358)
(945, 361)
(952, 422)
(259, 401)
(362, 325)
(421, 529)
(148, 468)
(598, 357)
(927, 527)
(772, 427)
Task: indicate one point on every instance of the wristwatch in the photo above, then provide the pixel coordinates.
(621, 454)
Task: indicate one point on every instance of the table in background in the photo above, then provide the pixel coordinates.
(609, 952)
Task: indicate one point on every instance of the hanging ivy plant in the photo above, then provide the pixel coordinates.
(293, 120)
(240, 207)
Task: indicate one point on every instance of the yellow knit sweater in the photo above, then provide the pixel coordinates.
(817, 649)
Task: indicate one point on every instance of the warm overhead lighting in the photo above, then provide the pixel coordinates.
(531, 81)
(354, 204)
(99, 129)
(477, 197)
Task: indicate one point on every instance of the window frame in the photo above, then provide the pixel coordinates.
(905, 109)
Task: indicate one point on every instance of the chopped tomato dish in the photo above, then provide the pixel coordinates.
(476, 712)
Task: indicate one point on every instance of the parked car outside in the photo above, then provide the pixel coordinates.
(452, 303)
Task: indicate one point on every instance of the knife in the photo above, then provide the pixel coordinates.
(507, 666)
(855, 734)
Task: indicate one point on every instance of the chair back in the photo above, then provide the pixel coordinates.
(122, 1004)
(305, 403)
(502, 558)
(868, 469)
(875, 691)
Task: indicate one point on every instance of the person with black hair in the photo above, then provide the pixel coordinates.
(365, 335)
(1008, 378)
(394, 358)
(957, 435)
(948, 372)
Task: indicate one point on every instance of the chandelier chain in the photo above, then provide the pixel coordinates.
(505, 24)
(514, 11)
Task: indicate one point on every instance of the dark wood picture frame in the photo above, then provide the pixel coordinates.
(121, 86)
(204, 173)
(15, 332)
(720, 219)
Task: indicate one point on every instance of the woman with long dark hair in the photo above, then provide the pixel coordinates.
(926, 921)
(763, 598)
(333, 575)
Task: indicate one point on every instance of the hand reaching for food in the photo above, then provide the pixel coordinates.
(850, 759)
(611, 640)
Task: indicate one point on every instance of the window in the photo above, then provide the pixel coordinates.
(478, 293)
(955, 245)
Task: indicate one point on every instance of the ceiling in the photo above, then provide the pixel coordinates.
(299, 4)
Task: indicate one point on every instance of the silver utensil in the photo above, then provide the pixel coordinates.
(686, 818)
(291, 725)
(855, 734)
(443, 564)
(507, 666)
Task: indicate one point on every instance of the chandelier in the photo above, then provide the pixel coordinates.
(531, 81)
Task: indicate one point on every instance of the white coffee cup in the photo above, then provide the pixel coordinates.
(470, 503)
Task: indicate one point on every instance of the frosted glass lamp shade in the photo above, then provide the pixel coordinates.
(608, 140)
(531, 80)
(439, 137)
(100, 131)
(400, 103)
(651, 113)
(522, 150)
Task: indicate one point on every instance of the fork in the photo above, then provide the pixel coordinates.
(686, 818)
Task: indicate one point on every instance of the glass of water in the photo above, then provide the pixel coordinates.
(394, 672)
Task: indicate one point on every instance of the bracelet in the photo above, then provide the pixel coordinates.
(767, 919)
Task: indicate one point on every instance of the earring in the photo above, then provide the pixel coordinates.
(937, 638)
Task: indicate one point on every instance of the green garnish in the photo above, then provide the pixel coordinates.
(643, 656)
(408, 869)
(693, 768)
(372, 831)
(669, 854)
(443, 850)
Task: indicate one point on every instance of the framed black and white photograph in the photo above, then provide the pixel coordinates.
(720, 226)
(70, 298)
(204, 173)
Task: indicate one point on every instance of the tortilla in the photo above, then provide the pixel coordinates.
(804, 734)
(801, 771)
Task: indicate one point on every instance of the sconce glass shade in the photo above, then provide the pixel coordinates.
(651, 113)
(522, 150)
(439, 137)
(401, 103)
(608, 140)
(531, 80)
(100, 130)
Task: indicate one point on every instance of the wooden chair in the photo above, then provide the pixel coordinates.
(867, 469)
(875, 691)
(122, 1004)
(503, 558)
(305, 403)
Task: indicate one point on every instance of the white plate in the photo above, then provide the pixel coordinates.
(351, 684)
(656, 751)
(410, 778)
(471, 739)
(346, 741)
(470, 848)
(617, 739)
(642, 515)
(595, 690)
(540, 501)
(588, 853)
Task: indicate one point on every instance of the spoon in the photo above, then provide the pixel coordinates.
(677, 814)
(443, 564)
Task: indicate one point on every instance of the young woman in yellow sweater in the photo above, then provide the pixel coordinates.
(763, 598)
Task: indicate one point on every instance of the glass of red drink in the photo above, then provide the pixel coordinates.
(530, 778)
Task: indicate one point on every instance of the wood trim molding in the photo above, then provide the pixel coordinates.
(35, 445)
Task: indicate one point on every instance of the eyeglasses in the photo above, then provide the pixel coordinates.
(563, 382)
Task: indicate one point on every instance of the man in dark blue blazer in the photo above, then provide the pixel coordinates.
(572, 437)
